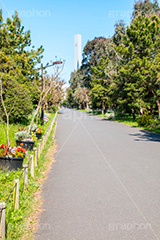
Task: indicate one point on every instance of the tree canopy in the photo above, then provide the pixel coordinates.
(17, 66)
(122, 72)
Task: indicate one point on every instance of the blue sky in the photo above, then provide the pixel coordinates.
(53, 23)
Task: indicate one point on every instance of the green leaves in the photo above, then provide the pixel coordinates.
(17, 64)
(137, 67)
(124, 71)
(100, 82)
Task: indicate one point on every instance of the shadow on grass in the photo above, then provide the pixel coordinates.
(146, 136)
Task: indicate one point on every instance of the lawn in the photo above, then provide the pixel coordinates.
(131, 122)
(13, 128)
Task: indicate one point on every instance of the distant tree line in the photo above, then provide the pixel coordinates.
(122, 72)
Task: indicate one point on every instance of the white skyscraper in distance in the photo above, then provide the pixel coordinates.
(78, 53)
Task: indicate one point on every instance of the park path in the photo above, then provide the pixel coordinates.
(105, 183)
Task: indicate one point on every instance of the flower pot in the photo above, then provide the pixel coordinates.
(28, 145)
(10, 163)
(38, 135)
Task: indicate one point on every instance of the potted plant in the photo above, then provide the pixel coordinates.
(11, 158)
(39, 132)
(25, 139)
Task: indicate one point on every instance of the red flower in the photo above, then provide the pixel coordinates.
(2, 146)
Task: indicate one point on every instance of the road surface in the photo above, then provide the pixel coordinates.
(105, 184)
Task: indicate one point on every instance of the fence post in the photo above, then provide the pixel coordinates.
(25, 176)
(43, 141)
(2, 221)
(32, 165)
(44, 138)
(41, 146)
(38, 150)
(35, 156)
(46, 134)
(16, 193)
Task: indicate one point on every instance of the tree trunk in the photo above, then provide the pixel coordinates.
(103, 107)
(35, 113)
(38, 114)
(133, 114)
(152, 111)
(158, 104)
(141, 110)
(7, 129)
(87, 105)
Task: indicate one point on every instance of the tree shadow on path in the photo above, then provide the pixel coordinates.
(146, 136)
(142, 135)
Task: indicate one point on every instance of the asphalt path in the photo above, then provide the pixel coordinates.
(105, 183)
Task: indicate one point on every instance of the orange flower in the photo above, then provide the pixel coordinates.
(21, 144)
(19, 149)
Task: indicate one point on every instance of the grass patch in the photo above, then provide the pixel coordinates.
(81, 110)
(13, 128)
(128, 120)
(17, 220)
(131, 122)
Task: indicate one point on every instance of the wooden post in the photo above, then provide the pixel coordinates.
(25, 176)
(38, 150)
(2, 221)
(16, 193)
(43, 142)
(44, 138)
(35, 156)
(41, 146)
(46, 135)
(32, 165)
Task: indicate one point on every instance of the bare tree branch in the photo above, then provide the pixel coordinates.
(43, 95)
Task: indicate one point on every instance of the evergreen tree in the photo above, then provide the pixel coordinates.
(119, 32)
(93, 51)
(17, 65)
(137, 82)
(70, 98)
(145, 8)
(100, 83)
(77, 79)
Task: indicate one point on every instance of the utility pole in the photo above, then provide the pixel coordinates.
(42, 111)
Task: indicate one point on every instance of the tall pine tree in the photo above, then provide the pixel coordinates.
(100, 82)
(137, 80)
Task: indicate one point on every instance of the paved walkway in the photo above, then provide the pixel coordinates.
(105, 184)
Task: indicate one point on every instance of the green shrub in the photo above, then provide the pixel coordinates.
(145, 120)
(22, 104)
(156, 123)
(53, 108)
(120, 115)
